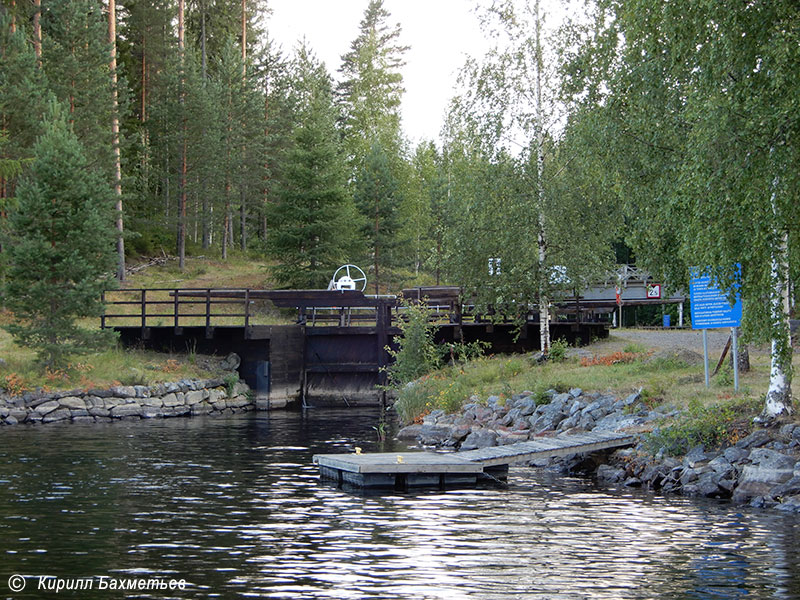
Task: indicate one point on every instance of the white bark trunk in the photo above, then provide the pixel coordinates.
(779, 395)
(544, 300)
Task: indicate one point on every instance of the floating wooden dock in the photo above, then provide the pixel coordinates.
(403, 470)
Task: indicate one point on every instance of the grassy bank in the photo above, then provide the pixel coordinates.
(712, 416)
(19, 371)
(116, 366)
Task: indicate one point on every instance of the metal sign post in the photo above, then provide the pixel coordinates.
(735, 357)
(711, 310)
(705, 355)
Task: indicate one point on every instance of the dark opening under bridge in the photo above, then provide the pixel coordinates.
(404, 470)
(329, 346)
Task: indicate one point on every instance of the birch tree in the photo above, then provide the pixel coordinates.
(507, 107)
(698, 125)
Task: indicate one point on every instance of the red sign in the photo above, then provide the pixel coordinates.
(654, 290)
(618, 294)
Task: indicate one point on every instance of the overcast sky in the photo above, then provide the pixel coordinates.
(440, 33)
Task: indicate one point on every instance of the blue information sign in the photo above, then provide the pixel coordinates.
(710, 306)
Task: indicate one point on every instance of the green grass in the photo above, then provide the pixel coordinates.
(236, 272)
(660, 381)
(134, 367)
(116, 366)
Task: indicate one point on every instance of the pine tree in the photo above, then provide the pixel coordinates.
(372, 88)
(60, 248)
(22, 102)
(75, 59)
(312, 217)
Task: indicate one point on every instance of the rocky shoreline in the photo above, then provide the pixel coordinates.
(187, 397)
(762, 469)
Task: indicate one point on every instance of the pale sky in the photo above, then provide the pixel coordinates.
(440, 33)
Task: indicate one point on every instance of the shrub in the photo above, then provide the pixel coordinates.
(558, 350)
(230, 380)
(634, 348)
(416, 354)
(462, 351)
(714, 426)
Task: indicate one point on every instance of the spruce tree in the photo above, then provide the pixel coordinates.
(60, 248)
(312, 216)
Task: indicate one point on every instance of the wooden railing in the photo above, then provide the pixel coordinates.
(218, 307)
(169, 307)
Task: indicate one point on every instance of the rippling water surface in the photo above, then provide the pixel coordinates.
(235, 507)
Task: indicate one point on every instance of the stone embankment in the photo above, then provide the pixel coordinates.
(498, 422)
(761, 469)
(182, 398)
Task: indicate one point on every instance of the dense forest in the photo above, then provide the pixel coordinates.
(665, 128)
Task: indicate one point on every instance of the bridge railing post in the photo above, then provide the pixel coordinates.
(144, 311)
(382, 323)
(247, 313)
(176, 304)
(208, 311)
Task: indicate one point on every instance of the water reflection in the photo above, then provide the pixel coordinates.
(235, 507)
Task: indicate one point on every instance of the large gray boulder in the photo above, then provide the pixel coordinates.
(606, 474)
(767, 470)
(482, 438)
(526, 406)
(431, 435)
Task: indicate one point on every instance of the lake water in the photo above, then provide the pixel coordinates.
(234, 507)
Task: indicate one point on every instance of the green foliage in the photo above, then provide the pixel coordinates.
(425, 216)
(725, 377)
(462, 351)
(60, 249)
(558, 350)
(431, 393)
(230, 380)
(312, 216)
(634, 348)
(22, 103)
(541, 211)
(371, 88)
(377, 196)
(693, 113)
(416, 354)
(75, 57)
(714, 426)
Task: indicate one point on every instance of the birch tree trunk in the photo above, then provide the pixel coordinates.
(779, 395)
(541, 238)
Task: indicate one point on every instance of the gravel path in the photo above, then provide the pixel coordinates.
(664, 339)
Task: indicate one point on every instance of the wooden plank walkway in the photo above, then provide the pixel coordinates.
(435, 469)
(547, 447)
